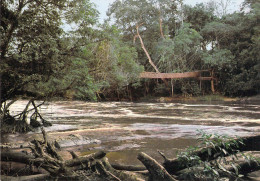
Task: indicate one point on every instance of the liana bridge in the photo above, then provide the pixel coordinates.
(195, 74)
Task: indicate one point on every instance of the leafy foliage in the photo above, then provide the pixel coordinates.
(52, 48)
(36, 53)
(198, 16)
(113, 64)
(210, 167)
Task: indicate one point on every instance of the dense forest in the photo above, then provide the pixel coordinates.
(41, 57)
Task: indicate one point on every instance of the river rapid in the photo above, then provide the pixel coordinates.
(124, 129)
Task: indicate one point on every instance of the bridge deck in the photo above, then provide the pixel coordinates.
(195, 74)
(154, 75)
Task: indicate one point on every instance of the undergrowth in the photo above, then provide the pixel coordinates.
(213, 158)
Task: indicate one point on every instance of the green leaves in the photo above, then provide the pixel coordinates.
(218, 58)
(113, 63)
(37, 56)
(198, 16)
(213, 150)
(172, 55)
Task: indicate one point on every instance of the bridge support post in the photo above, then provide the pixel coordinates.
(172, 86)
(212, 81)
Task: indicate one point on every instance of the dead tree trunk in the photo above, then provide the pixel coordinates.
(147, 54)
(38, 177)
(246, 144)
(145, 51)
(157, 171)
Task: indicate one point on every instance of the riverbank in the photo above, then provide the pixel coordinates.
(175, 98)
(242, 153)
(206, 98)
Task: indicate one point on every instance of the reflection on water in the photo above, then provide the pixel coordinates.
(125, 128)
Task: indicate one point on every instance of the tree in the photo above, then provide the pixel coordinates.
(177, 54)
(198, 16)
(221, 8)
(28, 45)
(235, 51)
(37, 55)
(145, 20)
(245, 77)
(34, 47)
(113, 63)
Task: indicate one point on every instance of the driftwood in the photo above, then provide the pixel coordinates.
(102, 170)
(38, 177)
(45, 155)
(86, 159)
(123, 175)
(11, 156)
(157, 171)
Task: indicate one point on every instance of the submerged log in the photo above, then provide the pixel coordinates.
(157, 171)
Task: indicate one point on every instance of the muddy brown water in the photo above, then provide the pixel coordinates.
(124, 129)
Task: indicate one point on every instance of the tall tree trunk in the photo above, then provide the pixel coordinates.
(147, 54)
(144, 49)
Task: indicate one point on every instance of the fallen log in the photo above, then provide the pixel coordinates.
(123, 175)
(38, 177)
(244, 164)
(157, 171)
(86, 159)
(29, 159)
(251, 143)
(101, 169)
(20, 157)
(45, 155)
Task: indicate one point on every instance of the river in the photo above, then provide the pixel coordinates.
(124, 129)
